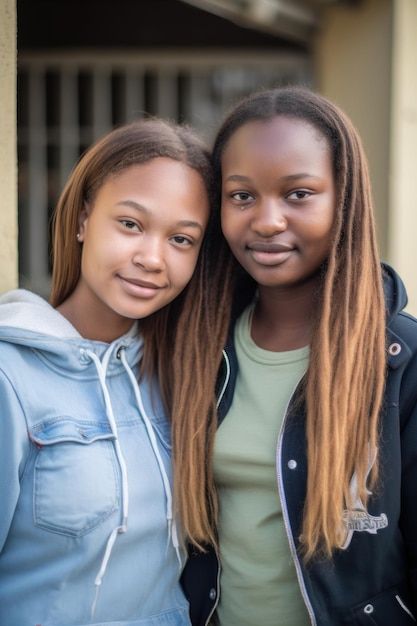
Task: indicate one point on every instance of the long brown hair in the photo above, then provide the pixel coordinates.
(344, 384)
(181, 341)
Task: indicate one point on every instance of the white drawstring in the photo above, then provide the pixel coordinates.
(99, 577)
(101, 369)
(172, 526)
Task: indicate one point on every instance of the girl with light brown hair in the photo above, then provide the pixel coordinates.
(314, 462)
(88, 533)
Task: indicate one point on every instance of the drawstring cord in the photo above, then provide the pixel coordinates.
(101, 370)
(172, 526)
(101, 367)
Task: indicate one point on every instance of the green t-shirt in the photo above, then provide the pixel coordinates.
(258, 581)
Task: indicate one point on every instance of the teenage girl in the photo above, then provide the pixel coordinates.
(315, 456)
(87, 527)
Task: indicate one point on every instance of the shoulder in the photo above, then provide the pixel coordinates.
(401, 325)
(404, 326)
(401, 388)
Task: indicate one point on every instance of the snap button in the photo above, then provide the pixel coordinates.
(394, 349)
(368, 609)
(292, 464)
(212, 594)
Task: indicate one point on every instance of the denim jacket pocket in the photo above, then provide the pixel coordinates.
(162, 429)
(76, 478)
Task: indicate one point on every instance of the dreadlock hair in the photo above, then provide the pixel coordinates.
(182, 341)
(343, 387)
(201, 331)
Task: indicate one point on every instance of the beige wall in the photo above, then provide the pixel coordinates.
(8, 165)
(402, 223)
(353, 67)
(365, 60)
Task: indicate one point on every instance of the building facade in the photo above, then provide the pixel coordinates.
(80, 72)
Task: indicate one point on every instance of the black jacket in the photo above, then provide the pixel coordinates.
(374, 580)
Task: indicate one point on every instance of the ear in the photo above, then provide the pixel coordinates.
(82, 219)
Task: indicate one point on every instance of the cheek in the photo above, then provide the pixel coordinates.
(327, 235)
(321, 242)
(319, 227)
(229, 226)
(183, 270)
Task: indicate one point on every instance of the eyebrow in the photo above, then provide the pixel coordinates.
(300, 175)
(237, 178)
(143, 209)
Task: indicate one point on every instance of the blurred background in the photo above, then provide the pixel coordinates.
(84, 66)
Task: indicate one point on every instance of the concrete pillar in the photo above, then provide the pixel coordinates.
(402, 220)
(8, 156)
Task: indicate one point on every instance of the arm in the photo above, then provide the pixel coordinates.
(408, 520)
(408, 417)
(15, 447)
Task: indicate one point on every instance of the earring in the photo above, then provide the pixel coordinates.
(78, 234)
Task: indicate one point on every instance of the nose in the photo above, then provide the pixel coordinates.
(269, 218)
(149, 254)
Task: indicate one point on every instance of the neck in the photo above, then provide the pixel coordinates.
(283, 319)
(94, 324)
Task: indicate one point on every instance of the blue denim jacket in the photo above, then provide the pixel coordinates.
(86, 535)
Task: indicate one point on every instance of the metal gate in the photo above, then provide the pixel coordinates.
(65, 102)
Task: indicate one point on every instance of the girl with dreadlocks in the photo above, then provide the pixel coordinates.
(315, 457)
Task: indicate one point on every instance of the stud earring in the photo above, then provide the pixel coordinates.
(78, 234)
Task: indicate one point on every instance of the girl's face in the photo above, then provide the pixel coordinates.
(278, 200)
(141, 239)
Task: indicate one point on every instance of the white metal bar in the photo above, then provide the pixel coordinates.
(69, 131)
(134, 95)
(35, 224)
(153, 59)
(167, 95)
(102, 102)
(203, 109)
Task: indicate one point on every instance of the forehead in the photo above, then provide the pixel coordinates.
(280, 132)
(160, 187)
(160, 175)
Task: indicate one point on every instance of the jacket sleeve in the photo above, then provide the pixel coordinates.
(15, 448)
(408, 417)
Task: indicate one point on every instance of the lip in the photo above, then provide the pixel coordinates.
(269, 254)
(139, 288)
(271, 247)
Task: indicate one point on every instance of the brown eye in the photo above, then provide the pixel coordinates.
(129, 224)
(242, 196)
(181, 240)
(299, 194)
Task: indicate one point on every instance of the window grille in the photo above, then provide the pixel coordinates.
(66, 102)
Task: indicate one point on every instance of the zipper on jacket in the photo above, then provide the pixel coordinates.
(219, 399)
(219, 569)
(285, 516)
(404, 607)
(226, 378)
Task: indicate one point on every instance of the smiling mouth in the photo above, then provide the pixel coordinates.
(140, 283)
(259, 246)
(269, 254)
(141, 289)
